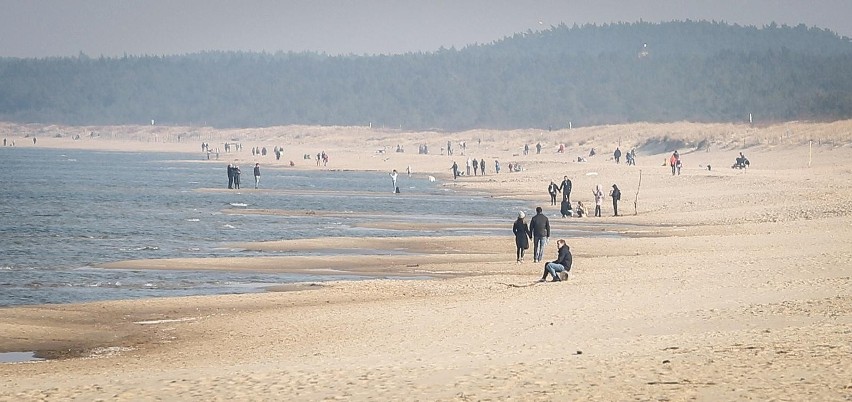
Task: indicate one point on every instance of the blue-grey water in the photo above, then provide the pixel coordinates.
(64, 211)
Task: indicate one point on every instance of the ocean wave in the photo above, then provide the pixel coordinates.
(143, 248)
(238, 204)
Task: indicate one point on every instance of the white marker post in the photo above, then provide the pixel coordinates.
(810, 151)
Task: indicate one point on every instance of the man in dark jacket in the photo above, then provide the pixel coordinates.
(230, 176)
(540, 228)
(562, 263)
(256, 174)
(565, 187)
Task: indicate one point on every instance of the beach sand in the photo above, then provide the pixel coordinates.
(720, 284)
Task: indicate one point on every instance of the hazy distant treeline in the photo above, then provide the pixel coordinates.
(696, 71)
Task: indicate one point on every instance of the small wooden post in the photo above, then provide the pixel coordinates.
(636, 199)
(810, 151)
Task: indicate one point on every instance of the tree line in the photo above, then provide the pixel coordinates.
(701, 71)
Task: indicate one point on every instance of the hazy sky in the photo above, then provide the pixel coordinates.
(39, 28)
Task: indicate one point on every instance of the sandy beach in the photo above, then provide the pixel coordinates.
(715, 284)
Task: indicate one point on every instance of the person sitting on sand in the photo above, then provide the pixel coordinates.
(741, 162)
(562, 264)
(565, 209)
(581, 209)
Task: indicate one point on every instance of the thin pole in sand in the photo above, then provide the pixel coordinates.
(636, 199)
(810, 151)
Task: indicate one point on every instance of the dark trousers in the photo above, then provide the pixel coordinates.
(615, 207)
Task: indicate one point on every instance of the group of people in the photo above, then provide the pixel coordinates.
(538, 231)
(478, 167)
(462, 145)
(675, 162)
(322, 157)
(233, 176)
(234, 173)
(614, 195)
(565, 207)
(630, 157)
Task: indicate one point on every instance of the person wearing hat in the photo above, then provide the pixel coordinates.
(562, 264)
(522, 236)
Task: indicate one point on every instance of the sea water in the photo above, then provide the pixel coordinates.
(62, 212)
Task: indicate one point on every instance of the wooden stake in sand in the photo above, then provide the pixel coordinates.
(810, 151)
(636, 199)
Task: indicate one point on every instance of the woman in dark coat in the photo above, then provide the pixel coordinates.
(522, 236)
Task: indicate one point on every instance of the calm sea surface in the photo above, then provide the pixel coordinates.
(63, 211)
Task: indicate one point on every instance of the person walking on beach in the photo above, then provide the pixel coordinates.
(615, 194)
(475, 166)
(497, 166)
(617, 155)
(236, 177)
(522, 236)
(455, 169)
(562, 263)
(540, 228)
(393, 176)
(552, 189)
(598, 193)
(256, 175)
(469, 163)
(673, 161)
(230, 176)
(565, 187)
(482, 166)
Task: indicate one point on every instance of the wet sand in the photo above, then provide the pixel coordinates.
(726, 285)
